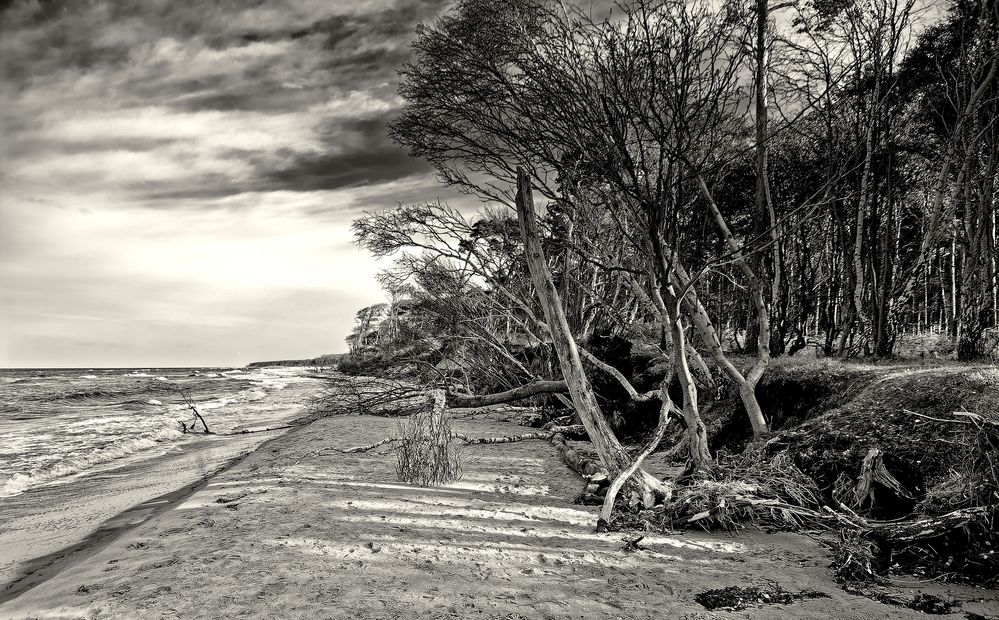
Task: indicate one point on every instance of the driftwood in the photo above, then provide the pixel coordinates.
(576, 460)
(903, 532)
(546, 435)
(508, 439)
(575, 430)
(371, 446)
(197, 416)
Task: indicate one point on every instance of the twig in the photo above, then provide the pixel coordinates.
(936, 419)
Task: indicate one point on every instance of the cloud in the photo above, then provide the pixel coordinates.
(179, 176)
(356, 152)
(186, 90)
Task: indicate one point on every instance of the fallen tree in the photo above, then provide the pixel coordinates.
(522, 392)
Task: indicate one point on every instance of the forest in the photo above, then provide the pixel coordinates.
(754, 238)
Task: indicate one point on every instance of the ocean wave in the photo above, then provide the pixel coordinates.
(19, 483)
(84, 394)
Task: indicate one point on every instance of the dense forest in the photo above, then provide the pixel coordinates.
(675, 194)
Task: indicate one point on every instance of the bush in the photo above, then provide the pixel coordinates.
(427, 454)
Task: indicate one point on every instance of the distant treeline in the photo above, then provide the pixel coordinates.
(329, 359)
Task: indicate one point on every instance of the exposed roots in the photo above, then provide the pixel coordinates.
(855, 558)
(649, 487)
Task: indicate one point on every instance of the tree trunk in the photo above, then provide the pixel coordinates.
(747, 387)
(698, 317)
(612, 454)
(697, 434)
(535, 388)
(976, 276)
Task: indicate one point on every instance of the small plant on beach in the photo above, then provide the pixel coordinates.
(426, 451)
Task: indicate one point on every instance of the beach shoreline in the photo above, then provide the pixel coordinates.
(63, 517)
(37, 570)
(298, 529)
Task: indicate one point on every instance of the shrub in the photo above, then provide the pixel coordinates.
(427, 453)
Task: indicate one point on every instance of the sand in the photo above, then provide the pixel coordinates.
(47, 519)
(291, 533)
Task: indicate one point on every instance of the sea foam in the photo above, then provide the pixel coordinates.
(19, 483)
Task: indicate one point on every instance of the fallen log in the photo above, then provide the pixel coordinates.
(576, 460)
(545, 435)
(907, 532)
(535, 388)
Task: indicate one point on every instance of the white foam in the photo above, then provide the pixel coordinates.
(153, 401)
(20, 482)
(88, 376)
(215, 404)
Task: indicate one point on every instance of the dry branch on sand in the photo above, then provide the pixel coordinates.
(575, 430)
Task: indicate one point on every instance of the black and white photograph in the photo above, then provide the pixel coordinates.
(499, 309)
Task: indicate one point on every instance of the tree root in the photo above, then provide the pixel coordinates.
(872, 470)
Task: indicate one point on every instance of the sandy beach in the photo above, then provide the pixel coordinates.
(38, 526)
(296, 529)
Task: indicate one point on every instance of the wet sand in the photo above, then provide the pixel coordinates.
(40, 527)
(65, 534)
(298, 531)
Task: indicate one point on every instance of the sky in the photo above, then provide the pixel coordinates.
(178, 177)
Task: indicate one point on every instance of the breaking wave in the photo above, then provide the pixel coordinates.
(19, 483)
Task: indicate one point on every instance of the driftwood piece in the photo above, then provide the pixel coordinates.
(370, 446)
(575, 430)
(927, 527)
(544, 435)
(576, 460)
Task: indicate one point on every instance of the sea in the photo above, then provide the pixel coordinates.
(79, 446)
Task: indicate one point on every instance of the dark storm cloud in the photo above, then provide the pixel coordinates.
(274, 59)
(359, 153)
(363, 167)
